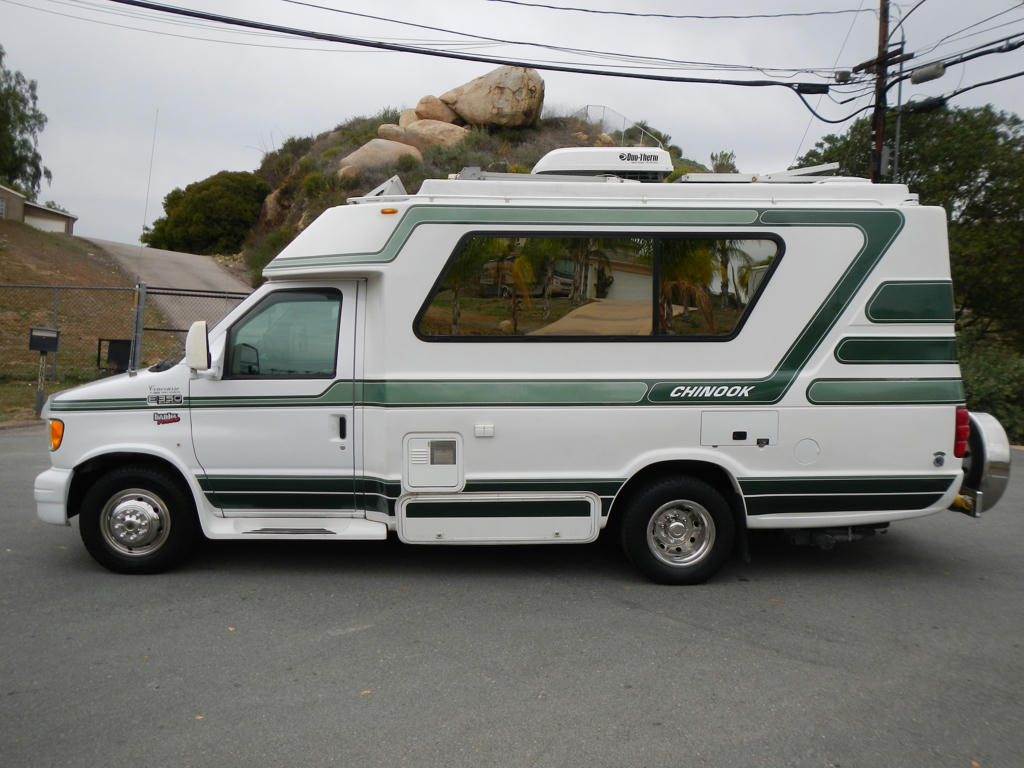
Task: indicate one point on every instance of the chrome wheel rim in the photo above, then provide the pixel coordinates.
(681, 533)
(135, 522)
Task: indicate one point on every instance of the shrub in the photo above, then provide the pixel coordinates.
(276, 165)
(994, 382)
(210, 216)
(258, 255)
(407, 163)
(314, 184)
(349, 183)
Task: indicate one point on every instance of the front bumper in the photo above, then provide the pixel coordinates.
(51, 495)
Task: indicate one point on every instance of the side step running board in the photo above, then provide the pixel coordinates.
(352, 529)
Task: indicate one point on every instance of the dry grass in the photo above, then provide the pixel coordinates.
(31, 257)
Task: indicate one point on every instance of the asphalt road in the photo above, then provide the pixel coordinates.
(904, 650)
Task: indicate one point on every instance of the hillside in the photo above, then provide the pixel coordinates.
(306, 175)
(29, 257)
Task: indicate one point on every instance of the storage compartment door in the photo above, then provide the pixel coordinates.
(498, 518)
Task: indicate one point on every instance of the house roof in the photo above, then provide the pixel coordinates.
(65, 214)
(13, 192)
(40, 206)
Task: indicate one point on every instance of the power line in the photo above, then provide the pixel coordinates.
(690, 17)
(973, 48)
(906, 16)
(398, 48)
(971, 26)
(827, 120)
(987, 82)
(792, 71)
(1006, 47)
(818, 104)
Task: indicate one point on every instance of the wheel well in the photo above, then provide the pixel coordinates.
(88, 472)
(712, 474)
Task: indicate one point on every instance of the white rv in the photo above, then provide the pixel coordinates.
(720, 355)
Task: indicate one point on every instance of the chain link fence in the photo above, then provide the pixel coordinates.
(168, 314)
(101, 328)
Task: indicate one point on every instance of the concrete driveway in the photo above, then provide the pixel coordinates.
(172, 269)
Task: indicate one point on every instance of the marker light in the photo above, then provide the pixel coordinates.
(389, 210)
(56, 433)
(963, 431)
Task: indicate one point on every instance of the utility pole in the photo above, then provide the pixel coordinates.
(875, 171)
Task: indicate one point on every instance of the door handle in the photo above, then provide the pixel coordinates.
(342, 428)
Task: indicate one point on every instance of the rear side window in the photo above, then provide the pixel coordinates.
(289, 334)
(536, 287)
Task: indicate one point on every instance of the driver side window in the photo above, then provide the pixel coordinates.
(289, 334)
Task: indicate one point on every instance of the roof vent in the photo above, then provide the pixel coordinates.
(638, 163)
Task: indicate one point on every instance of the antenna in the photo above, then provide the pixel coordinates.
(140, 301)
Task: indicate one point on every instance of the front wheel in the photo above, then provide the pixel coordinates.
(137, 520)
(678, 531)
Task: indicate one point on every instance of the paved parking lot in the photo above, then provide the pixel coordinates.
(904, 650)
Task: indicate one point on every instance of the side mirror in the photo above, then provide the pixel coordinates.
(197, 347)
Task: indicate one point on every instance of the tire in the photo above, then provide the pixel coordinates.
(138, 520)
(678, 531)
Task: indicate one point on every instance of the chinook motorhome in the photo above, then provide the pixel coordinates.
(518, 359)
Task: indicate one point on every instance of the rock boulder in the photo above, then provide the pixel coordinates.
(391, 132)
(432, 133)
(507, 96)
(378, 153)
(432, 108)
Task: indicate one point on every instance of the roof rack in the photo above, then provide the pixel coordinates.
(475, 173)
(810, 175)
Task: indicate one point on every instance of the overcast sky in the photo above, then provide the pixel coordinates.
(218, 97)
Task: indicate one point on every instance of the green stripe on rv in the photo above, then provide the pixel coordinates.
(781, 505)
(339, 493)
(790, 486)
(798, 495)
(896, 350)
(885, 391)
(912, 301)
(105, 405)
(511, 508)
(415, 215)
(574, 393)
(440, 393)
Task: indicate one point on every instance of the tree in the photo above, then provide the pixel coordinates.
(210, 216)
(724, 162)
(21, 122)
(970, 162)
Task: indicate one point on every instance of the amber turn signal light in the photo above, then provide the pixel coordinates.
(56, 433)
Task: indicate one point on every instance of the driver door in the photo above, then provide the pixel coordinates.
(273, 434)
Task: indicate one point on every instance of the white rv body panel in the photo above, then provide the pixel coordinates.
(782, 351)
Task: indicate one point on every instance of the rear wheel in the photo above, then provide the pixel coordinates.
(678, 531)
(138, 520)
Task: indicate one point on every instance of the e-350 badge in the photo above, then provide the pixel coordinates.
(164, 398)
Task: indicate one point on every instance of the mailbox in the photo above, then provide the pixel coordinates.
(43, 339)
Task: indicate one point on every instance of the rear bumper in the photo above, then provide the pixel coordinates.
(51, 495)
(986, 466)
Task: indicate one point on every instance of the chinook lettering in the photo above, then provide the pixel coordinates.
(722, 390)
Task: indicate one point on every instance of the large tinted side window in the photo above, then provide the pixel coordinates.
(289, 334)
(630, 286)
(707, 284)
